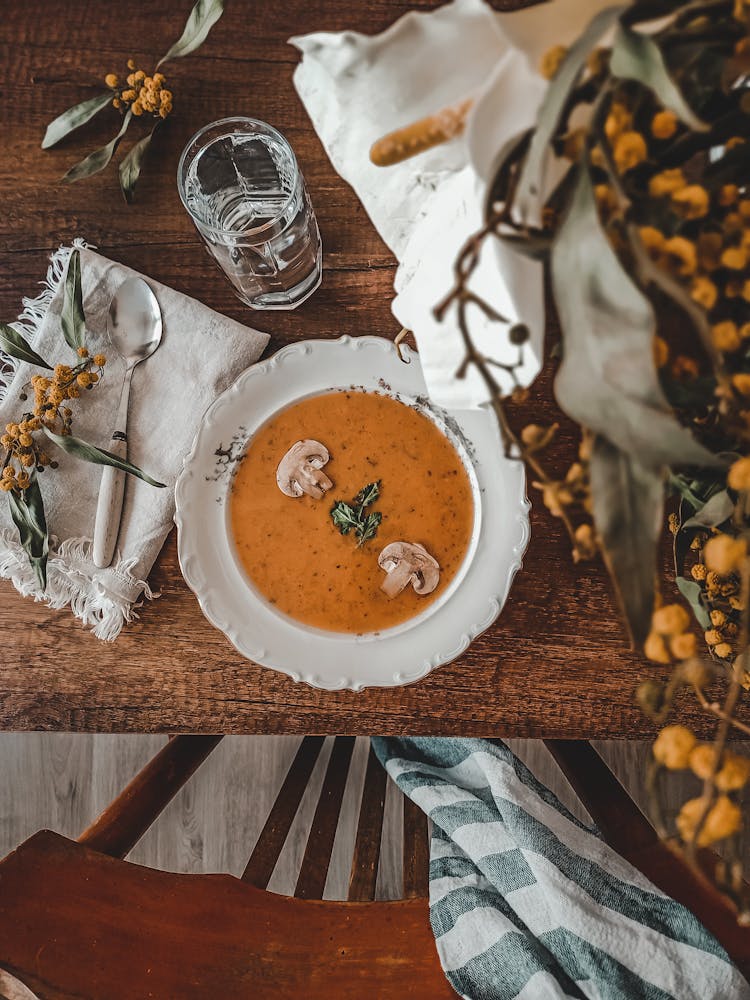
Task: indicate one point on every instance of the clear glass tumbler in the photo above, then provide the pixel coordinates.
(238, 178)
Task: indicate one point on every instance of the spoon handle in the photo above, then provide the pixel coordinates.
(112, 488)
(109, 507)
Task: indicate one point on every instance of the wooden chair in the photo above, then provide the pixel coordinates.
(76, 921)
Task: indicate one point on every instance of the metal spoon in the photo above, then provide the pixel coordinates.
(135, 327)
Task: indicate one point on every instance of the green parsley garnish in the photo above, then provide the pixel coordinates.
(352, 517)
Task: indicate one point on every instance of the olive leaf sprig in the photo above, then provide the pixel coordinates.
(353, 517)
(139, 96)
(24, 441)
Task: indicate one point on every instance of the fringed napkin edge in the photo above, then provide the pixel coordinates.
(70, 581)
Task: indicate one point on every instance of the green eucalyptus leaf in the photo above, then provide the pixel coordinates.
(681, 541)
(718, 509)
(628, 504)
(12, 343)
(90, 453)
(74, 117)
(528, 199)
(201, 19)
(636, 56)
(27, 511)
(130, 165)
(692, 593)
(72, 317)
(99, 159)
(680, 485)
(607, 380)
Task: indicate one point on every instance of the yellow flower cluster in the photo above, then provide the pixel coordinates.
(720, 558)
(628, 146)
(669, 637)
(677, 749)
(739, 473)
(570, 496)
(732, 774)
(23, 454)
(551, 61)
(664, 125)
(673, 747)
(535, 437)
(702, 237)
(724, 554)
(630, 149)
(141, 93)
(715, 260)
(723, 818)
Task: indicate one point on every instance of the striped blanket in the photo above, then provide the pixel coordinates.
(527, 902)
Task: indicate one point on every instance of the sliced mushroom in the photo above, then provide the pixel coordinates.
(299, 470)
(405, 563)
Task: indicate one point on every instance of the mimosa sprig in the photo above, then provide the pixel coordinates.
(25, 441)
(141, 96)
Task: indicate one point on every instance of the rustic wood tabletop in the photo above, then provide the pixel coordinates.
(557, 664)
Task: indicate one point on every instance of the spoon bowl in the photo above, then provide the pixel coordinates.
(134, 322)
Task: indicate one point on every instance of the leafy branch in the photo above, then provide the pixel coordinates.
(139, 94)
(25, 459)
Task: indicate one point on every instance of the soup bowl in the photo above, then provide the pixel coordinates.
(229, 598)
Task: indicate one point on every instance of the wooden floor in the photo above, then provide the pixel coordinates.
(62, 781)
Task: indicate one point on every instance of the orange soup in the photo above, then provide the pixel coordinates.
(291, 548)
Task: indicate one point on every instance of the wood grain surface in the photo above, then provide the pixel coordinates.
(557, 664)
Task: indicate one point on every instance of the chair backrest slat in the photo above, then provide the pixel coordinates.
(620, 821)
(317, 858)
(124, 821)
(364, 874)
(416, 851)
(259, 868)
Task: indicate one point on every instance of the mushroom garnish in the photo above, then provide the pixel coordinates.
(299, 470)
(405, 563)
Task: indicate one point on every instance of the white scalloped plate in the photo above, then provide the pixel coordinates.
(334, 660)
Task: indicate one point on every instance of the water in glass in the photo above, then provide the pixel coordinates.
(240, 182)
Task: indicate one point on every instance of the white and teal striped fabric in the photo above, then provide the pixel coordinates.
(527, 902)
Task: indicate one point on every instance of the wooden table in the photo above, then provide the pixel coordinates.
(557, 663)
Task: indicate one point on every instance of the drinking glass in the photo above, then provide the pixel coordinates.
(238, 178)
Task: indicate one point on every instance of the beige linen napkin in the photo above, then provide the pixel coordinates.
(201, 353)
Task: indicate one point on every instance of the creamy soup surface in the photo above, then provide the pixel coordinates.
(292, 550)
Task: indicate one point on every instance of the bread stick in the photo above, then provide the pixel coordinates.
(421, 135)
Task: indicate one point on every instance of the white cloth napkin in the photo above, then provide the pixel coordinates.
(201, 353)
(356, 88)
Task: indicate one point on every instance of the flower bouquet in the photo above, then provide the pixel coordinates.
(633, 187)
